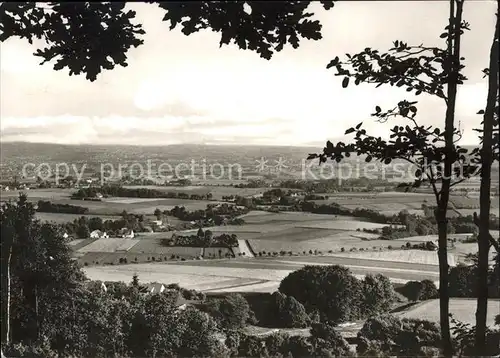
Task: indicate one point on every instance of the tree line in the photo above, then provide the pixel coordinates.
(213, 215)
(202, 239)
(415, 225)
(119, 191)
(83, 226)
(45, 206)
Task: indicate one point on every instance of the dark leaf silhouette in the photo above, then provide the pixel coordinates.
(345, 82)
(333, 62)
(88, 37)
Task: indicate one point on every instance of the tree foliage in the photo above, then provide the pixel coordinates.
(464, 334)
(335, 294)
(89, 37)
(55, 311)
(377, 295)
(332, 290)
(327, 342)
(231, 312)
(418, 69)
(393, 336)
(286, 311)
(420, 290)
(40, 265)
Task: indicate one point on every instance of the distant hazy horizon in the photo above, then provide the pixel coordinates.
(186, 90)
(221, 144)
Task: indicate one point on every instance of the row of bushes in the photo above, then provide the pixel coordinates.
(428, 246)
(159, 258)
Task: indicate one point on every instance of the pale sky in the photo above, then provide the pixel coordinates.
(185, 89)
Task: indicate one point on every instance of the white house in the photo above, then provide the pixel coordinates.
(65, 235)
(128, 235)
(155, 287)
(157, 222)
(98, 234)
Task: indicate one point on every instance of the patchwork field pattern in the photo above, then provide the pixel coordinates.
(296, 232)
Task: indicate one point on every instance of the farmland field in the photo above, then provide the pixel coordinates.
(113, 258)
(341, 225)
(109, 206)
(413, 256)
(189, 189)
(59, 218)
(331, 240)
(260, 275)
(467, 212)
(462, 309)
(394, 202)
(109, 245)
(144, 206)
(463, 249)
(121, 200)
(154, 246)
(395, 212)
(296, 217)
(162, 273)
(75, 243)
(38, 194)
(296, 232)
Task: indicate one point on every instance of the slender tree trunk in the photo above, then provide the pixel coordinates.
(453, 69)
(6, 293)
(444, 297)
(484, 198)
